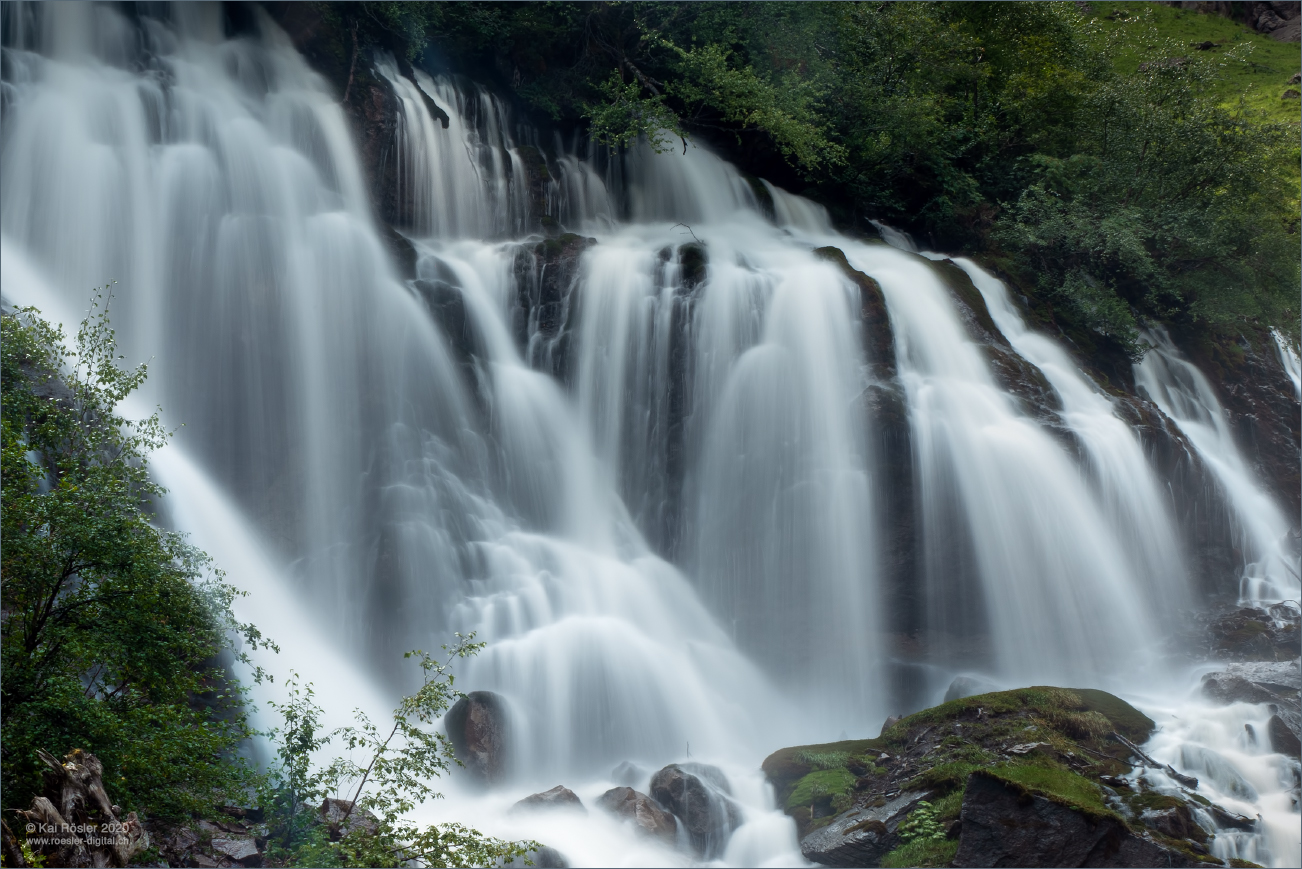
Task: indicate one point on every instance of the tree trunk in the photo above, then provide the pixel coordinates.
(74, 824)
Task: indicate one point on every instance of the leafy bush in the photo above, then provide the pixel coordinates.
(401, 761)
(922, 823)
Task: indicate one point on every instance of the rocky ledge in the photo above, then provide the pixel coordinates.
(1033, 777)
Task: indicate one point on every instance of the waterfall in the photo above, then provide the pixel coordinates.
(1263, 535)
(1128, 492)
(615, 419)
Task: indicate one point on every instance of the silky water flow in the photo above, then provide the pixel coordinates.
(635, 460)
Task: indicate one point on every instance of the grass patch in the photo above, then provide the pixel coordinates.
(1060, 785)
(824, 759)
(948, 807)
(1260, 77)
(922, 853)
(824, 781)
(944, 776)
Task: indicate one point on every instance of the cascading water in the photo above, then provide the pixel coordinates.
(1130, 495)
(637, 460)
(1268, 542)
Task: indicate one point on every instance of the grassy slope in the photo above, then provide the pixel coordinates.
(1254, 78)
(1261, 77)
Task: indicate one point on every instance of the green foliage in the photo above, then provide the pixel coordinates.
(111, 625)
(401, 761)
(922, 823)
(922, 852)
(828, 782)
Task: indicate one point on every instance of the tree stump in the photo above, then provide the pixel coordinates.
(74, 823)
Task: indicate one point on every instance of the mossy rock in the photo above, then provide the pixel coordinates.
(786, 766)
(1057, 784)
(827, 782)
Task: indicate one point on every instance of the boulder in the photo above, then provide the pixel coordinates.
(545, 857)
(969, 686)
(648, 817)
(1006, 825)
(860, 837)
(629, 774)
(699, 796)
(1254, 682)
(478, 727)
(1283, 739)
(239, 849)
(341, 818)
(559, 797)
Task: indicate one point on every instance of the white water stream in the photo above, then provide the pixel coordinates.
(655, 500)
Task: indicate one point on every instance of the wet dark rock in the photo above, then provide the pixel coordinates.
(1283, 739)
(860, 837)
(546, 274)
(1013, 373)
(630, 774)
(878, 339)
(1248, 634)
(1006, 825)
(648, 816)
(559, 797)
(1176, 821)
(889, 722)
(1255, 682)
(693, 262)
(1260, 405)
(478, 727)
(698, 795)
(447, 306)
(545, 857)
(969, 686)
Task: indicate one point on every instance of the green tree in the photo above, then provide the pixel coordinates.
(111, 626)
(398, 764)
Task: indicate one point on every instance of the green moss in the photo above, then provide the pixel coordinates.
(785, 767)
(1057, 784)
(1151, 800)
(944, 776)
(830, 781)
(922, 853)
(1236, 863)
(872, 825)
(1128, 721)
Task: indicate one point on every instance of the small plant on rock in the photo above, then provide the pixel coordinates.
(922, 824)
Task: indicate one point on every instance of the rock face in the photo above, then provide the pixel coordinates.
(860, 837)
(1249, 634)
(1004, 825)
(478, 727)
(559, 797)
(1255, 682)
(699, 796)
(1283, 739)
(648, 817)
